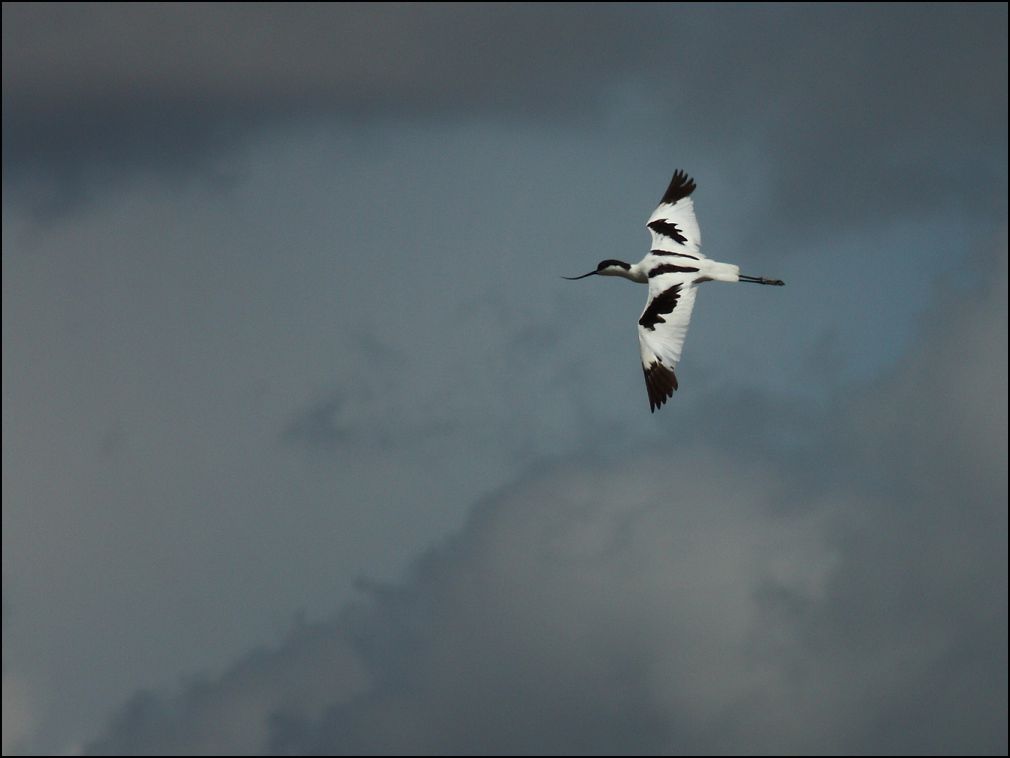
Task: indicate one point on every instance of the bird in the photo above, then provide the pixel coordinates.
(673, 269)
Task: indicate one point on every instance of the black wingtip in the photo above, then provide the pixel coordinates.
(681, 185)
(660, 382)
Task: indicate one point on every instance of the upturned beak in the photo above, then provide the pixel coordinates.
(573, 278)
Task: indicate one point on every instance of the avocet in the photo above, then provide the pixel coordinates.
(673, 268)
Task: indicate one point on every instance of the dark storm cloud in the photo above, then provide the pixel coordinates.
(164, 88)
(359, 54)
(879, 102)
(685, 600)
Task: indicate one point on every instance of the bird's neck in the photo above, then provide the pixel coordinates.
(636, 273)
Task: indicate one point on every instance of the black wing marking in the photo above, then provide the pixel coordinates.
(667, 229)
(672, 268)
(661, 304)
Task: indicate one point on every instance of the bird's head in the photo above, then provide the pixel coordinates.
(609, 267)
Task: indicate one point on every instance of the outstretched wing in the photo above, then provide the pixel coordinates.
(674, 228)
(662, 326)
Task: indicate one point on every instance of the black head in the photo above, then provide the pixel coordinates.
(603, 267)
(610, 262)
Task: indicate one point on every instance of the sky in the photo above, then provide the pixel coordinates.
(308, 448)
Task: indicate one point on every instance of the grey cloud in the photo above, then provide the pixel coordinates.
(566, 617)
(685, 600)
(238, 713)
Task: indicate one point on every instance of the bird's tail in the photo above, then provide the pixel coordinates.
(721, 272)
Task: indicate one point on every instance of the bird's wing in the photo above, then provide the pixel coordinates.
(673, 226)
(662, 326)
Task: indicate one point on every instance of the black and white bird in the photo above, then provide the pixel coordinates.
(673, 269)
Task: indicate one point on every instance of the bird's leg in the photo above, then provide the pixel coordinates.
(761, 280)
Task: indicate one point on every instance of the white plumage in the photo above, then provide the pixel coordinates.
(673, 269)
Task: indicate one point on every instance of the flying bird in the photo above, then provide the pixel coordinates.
(673, 269)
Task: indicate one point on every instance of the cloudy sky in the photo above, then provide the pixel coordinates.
(308, 448)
